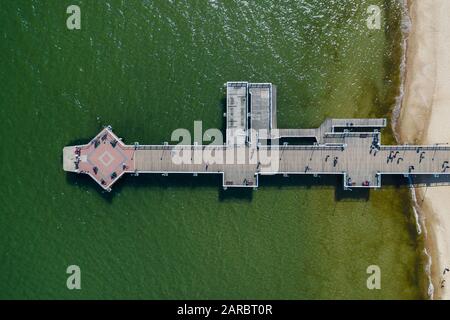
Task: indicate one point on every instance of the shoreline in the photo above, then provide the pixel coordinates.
(422, 118)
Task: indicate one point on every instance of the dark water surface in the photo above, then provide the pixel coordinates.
(149, 67)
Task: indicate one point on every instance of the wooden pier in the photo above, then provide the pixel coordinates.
(348, 147)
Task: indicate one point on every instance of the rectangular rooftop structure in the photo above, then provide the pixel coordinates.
(237, 105)
(260, 108)
(250, 112)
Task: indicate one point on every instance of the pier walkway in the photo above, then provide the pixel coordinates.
(348, 147)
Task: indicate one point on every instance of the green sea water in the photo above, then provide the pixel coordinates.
(149, 67)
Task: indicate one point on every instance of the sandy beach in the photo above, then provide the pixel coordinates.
(425, 119)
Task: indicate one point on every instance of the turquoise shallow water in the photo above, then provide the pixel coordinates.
(149, 67)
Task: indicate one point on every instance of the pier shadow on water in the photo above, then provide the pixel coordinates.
(190, 182)
(156, 181)
(320, 182)
(80, 142)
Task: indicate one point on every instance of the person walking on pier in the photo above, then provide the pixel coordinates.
(422, 156)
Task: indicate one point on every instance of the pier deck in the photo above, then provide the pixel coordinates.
(347, 147)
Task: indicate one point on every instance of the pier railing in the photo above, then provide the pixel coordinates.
(416, 147)
(224, 147)
(350, 134)
(304, 147)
